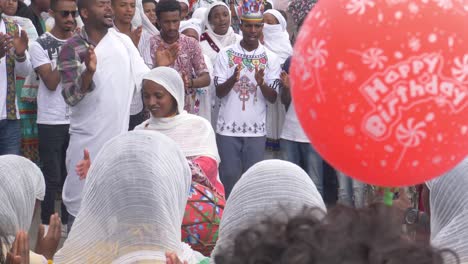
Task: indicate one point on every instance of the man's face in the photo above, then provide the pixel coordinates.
(169, 23)
(64, 15)
(251, 31)
(99, 13)
(124, 10)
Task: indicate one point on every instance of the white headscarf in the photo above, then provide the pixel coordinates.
(140, 19)
(193, 134)
(276, 37)
(199, 14)
(220, 40)
(266, 188)
(133, 203)
(21, 183)
(192, 23)
(449, 210)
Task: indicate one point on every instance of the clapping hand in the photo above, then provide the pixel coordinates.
(260, 76)
(167, 57)
(20, 43)
(236, 74)
(91, 60)
(83, 165)
(19, 253)
(6, 43)
(47, 245)
(135, 35)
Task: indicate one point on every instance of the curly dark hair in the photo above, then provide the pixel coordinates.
(345, 235)
(167, 6)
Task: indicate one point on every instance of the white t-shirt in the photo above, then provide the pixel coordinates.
(243, 109)
(51, 107)
(292, 129)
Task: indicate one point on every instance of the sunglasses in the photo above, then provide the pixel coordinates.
(66, 13)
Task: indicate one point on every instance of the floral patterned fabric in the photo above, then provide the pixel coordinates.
(203, 213)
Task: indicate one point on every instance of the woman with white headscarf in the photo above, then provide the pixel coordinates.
(163, 95)
(270, 187)
(133, 204)
(448, 199)
(218, 34)
(276, 39)
(148, 31)
(22, 186)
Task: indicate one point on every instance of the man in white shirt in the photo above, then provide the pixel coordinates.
(53, 114)
(13, 61)
(246, 77)
(100, 71)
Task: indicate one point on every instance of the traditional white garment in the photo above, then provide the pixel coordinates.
(449, 212)
(133, 204)
(22, 183)
(267, 188)
(104, 112)
(276, 39)
(193, 134)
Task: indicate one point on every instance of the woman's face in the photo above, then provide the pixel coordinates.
(189, 32)
(158, 100)
(270, 19)
(219, 19)
(9, 7)
(150, 12)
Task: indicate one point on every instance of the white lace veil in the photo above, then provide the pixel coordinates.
(266, 188)
(133, 203)
(21, 183)
(449, 210)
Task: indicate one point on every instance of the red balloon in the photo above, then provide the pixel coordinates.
(380, 87)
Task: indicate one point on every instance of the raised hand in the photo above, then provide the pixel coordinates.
(260, 76)
(83, 165)
(47, 245)
(285, 80)
(135, 35)
(20, 42)
(19, 253)
(167, 57)
(6, 44)
(172, 258)
(236, 74)
(91, 60)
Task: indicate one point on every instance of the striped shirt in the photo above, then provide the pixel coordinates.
(70, 65)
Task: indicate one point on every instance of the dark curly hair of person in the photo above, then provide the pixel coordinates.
(344, 236)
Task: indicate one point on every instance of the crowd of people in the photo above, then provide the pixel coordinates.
(167, 132)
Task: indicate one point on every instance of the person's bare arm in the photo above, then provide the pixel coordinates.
(51, 78)
(224, 88)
